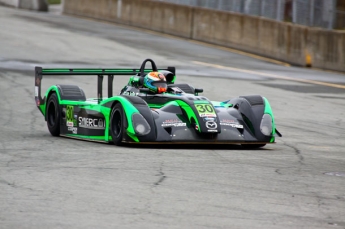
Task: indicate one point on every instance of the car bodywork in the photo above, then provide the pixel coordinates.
(179, 116)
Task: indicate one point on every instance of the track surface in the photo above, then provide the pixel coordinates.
(49, 182)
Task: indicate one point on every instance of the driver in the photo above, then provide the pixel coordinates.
(155, 82)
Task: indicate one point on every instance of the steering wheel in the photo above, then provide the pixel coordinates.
(142, 68)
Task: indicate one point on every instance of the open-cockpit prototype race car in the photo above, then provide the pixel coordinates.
(177, 115)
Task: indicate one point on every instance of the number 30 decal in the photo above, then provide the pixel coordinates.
(204, 109)
(69, 113)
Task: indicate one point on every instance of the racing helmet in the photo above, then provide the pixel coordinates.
(156, 82)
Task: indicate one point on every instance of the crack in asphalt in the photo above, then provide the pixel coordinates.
(297, 152)
(2, 181)
(13, 185)
(161, 179)
(162, 176)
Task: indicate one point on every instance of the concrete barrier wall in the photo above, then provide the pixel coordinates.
(39, 5)
(288, 42)
(13, 3)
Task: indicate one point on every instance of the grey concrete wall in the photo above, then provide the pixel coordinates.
(288, 42)
(13, 3)
(39, 5)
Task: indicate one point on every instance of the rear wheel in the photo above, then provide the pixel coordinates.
(117, 124)
(53, 115)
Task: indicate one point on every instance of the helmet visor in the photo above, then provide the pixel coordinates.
(161, 86)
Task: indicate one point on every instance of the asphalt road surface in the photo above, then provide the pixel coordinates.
(54, 182)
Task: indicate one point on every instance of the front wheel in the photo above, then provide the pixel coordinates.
(117, 124)
(53, 115)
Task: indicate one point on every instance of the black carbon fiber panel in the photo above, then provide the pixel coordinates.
(185, 87)
(135, 100)
(254, 99)
(71, 92)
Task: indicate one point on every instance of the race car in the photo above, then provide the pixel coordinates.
(152, 109)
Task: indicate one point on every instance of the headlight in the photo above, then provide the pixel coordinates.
(266, 125)
(141, 126)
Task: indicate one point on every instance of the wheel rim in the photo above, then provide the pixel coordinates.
(116, 123)
(51, 114)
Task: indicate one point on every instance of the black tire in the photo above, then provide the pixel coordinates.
(252, 146)
(117, 120)
(53, 115)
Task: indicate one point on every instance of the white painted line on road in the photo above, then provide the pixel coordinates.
(271, 75)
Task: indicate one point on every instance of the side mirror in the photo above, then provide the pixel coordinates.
(198, 90)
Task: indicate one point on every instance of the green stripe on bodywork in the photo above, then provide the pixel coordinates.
(190, 112)
(129, 111)
(174, 103)
(201, 101)
(95, 138)
(87, 70)
(43, 107)
(221, 104)
(173, 79)
(157, 106)
(268, 110)
(115, 70)
(217, 104)
(98, 107)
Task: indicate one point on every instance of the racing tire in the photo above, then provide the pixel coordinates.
(117, 120)
(53, 115)
(252, 146)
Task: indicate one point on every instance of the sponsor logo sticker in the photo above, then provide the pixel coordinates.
(69, 124)
(232, 125)
(230, 122)
(38, 101)
(91, 123)
(36, 91)
(211, 119)
(173, 123)
(73, 129)
(211, 125)
(37, 81)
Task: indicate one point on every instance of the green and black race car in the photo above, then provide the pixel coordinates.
(152, 108)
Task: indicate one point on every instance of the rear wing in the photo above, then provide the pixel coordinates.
(100, 73)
